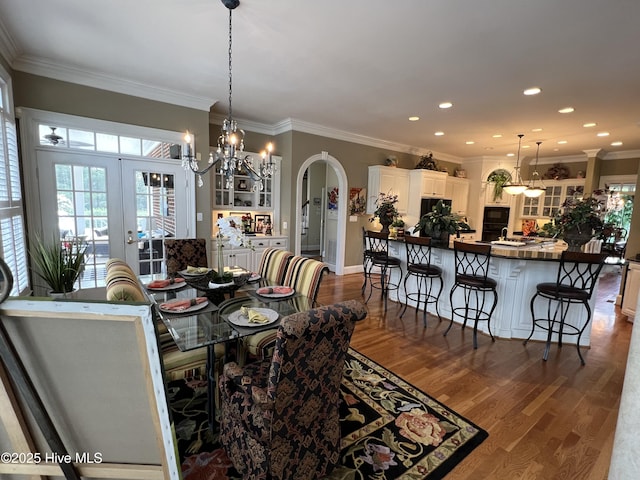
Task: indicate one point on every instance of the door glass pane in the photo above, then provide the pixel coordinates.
(155, 217)
(82, 214)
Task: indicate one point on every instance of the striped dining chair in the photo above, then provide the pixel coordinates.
(304, 275)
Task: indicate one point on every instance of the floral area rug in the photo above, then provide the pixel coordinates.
(390, 429)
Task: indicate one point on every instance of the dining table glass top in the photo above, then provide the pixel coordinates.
(206, 323)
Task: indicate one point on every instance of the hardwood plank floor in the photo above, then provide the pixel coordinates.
(546, 420)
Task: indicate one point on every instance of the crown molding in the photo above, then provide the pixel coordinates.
(8, 47)
(67, 73)
(292, 124)
(622, 155)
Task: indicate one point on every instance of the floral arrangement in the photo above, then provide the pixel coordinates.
(386, 211)
(229, 228)
(582, 216)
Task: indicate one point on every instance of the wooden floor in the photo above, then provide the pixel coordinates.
(546, 420)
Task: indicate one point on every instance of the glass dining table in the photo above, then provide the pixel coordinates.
(208, 324)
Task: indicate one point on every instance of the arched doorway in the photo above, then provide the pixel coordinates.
(341, 221)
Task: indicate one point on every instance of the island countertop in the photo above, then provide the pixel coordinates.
(539, 249)
(517, 271)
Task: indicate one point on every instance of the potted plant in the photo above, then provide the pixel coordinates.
(499, 178)
(59, 263)
(398, 227)
(439, 223)
(386, 212)
(576, 222)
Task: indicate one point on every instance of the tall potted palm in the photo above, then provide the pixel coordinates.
(59, 263)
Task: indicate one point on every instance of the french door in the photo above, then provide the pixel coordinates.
(118, 207)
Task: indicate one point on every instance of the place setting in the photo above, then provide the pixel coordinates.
(275, 292)
(163, 285)
(253, 316)
(191, 272)
(183, 305)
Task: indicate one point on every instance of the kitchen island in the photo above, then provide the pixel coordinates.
(517, 270)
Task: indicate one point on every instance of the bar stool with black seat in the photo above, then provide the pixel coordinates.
(472, 275)
(367, 256)
(419, 266)
(577, 276)
(378, 243)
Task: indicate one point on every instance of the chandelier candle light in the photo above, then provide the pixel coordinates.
(229, 154)
(533, 190)
(517, 186)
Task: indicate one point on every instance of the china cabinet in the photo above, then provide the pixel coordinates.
(242, 196)
(388, 180)
(246, 257)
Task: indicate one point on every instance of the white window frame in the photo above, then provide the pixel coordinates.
(13, 246)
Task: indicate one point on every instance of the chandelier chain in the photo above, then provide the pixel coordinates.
(230, 70)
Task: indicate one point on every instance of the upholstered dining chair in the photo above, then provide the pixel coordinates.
(179, 253)
(273, 265)
(304, 275)
(280, 416)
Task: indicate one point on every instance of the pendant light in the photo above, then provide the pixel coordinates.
(517, 186)
(533, 190)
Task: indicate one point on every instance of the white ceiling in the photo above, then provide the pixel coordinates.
(361, 66)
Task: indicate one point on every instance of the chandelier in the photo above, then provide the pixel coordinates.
(533, 190)
(229, 155)
(516, 186)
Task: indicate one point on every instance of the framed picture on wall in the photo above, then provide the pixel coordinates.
(261, 222)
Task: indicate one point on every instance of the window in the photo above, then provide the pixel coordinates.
(13, 245)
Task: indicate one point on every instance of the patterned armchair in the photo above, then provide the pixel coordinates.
(280, 417)
(179, 253)
(304, 275)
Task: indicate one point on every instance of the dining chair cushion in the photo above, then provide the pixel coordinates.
(181, 253)
(273, 265)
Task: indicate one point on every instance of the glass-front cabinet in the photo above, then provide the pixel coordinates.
(556, 192)
(242, 195)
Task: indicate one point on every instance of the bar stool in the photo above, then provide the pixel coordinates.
(378, 243)
(472, 270)
(419, 266)
(577, 276)
(367, 256)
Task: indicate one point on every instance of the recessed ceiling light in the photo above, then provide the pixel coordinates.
(497, 135)
(566, 110)
(414, 119)
(556, 149)
(536, 129)
(589, 125)
(445, 105)
(469, 142)
(603, 134)
(562, 142)
(511, 154)
(439, 134)
(616, 144)
(526, 146)
(532, 91)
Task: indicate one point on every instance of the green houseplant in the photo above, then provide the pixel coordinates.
(59, 263)
(386, 212)
(440, 222)
(499, 178)
(576, 222)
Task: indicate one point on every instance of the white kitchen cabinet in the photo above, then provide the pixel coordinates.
(457, 190)
(427, 183)
(503, 201)
(555, 194)
(631, 289)
(388, 180)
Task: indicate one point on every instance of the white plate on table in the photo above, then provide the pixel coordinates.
(171, 286)
(185, 273)
(237, 318)
(192, 308)
(274, 294)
